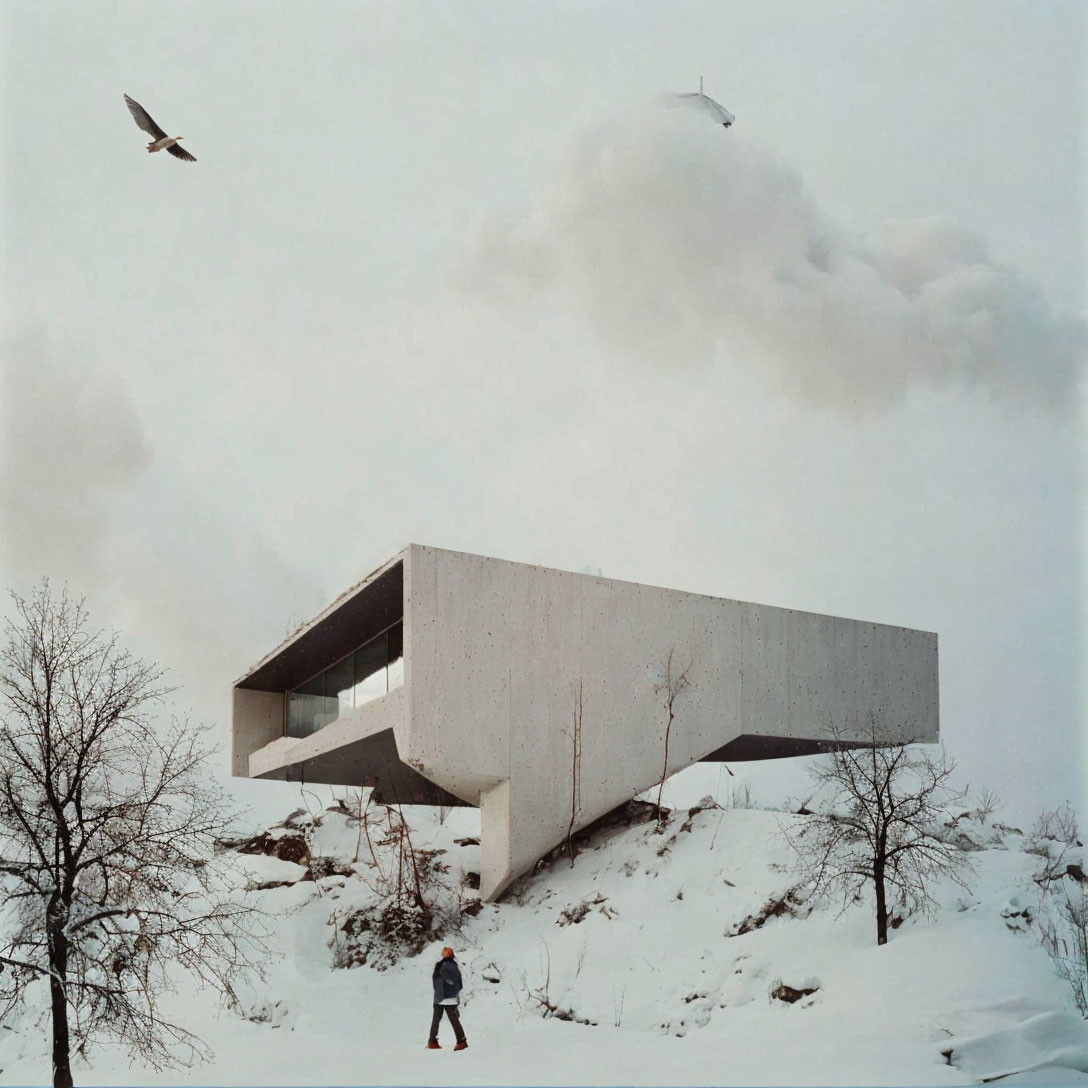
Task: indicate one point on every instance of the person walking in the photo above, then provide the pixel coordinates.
(447, 988)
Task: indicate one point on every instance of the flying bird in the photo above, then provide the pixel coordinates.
(161, 140)
(711, 108)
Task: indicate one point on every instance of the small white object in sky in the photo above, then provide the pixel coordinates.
(161, 140)
(718, 112)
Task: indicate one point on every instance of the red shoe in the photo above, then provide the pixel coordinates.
(462, 1045)
(433, 1044)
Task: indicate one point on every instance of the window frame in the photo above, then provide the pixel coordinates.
(332, 664)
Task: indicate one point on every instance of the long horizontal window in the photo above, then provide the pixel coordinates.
(374, 669)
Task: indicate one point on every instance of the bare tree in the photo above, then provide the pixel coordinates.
(107, 829)
(987, 802)
(1063, 929)
(414, 901)
(672, 683)
(1063, 907)
(1055, 839)
(884, 828)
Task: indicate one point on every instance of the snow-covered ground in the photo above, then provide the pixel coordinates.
(637, 937)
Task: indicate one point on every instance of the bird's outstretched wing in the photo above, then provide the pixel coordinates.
(179, 152)
(143, 119)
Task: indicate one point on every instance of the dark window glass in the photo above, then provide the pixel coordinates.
(339, 681)
(308, 709)
(369, 673)
(370, 662)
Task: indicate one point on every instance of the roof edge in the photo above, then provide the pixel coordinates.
(306, 626)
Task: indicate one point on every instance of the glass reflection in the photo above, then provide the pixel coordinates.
(373, 670)
(370, 676)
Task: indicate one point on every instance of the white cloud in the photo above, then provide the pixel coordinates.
(677, 240)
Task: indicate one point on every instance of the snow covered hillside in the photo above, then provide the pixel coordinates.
(671, 958)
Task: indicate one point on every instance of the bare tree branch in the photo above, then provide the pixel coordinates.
(672, 683)
(1063, 898)
(107, 825)
(884, 827)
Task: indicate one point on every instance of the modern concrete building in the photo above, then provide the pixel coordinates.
(537, 694)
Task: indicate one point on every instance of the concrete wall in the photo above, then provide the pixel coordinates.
(256, 721)
(531, 693)
(500, 652)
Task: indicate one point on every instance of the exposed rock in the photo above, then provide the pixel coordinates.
(1016, 918)
(380, 936)
(268, 885)
(301, 818)
(963, 841)
(292, 848)
(350, 811)
(573, 915)
(571, 1015)
(623, 816)
(785, 905)
(790, 995)
(706, 804)
(218, 846)
(321, 867)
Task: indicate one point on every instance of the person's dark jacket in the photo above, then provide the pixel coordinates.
(447, 979)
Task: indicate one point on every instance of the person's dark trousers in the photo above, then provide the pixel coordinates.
(455, 1020)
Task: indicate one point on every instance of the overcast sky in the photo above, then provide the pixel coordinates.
(455, 274)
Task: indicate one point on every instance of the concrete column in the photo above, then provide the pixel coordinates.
(258, 720)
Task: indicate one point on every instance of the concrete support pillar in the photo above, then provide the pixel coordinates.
(258, 720)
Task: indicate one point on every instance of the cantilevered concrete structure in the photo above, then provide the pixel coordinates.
(449, 678)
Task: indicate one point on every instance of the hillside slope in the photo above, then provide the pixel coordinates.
(657, 958)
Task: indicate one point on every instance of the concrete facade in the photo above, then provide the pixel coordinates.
(535, 693)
